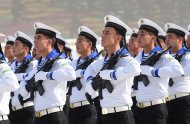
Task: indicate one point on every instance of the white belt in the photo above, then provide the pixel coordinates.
(48, 111)
(178, 95)
(150, 103)
(15, 108)
(3, 117)
(115, 109)
(79, 104)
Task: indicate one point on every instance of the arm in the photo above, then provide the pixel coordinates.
(8, 80)
(172, 68)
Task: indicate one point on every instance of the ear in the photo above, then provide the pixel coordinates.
(90, 44)
(153, 37)
(119, 38)
(49, 43)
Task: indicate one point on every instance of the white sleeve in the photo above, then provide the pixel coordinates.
(172, 68)
(90, 72)
(186, 67)
(130, 69)
(65, 71)
(8, 80)
(93, 69)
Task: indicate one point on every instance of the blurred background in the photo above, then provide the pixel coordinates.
(67, 15)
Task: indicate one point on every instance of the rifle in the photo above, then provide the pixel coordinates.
(83, 66)
(151, 61)
(77, 83)
(179, 59)
(33, 86)
(22, 68)
(98, 82)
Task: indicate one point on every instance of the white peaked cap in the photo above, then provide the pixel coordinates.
(114, 22)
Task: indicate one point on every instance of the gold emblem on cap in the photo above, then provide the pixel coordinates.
(80, 29)
(17, 34)
(35, 26)
(142, 21)
(107, 18)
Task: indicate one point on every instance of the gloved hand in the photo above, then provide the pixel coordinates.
(40, 76)
(29, 75)
(108, 75)
(79, 73)
(146, 70)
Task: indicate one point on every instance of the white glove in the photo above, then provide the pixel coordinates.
(79, 73)
(21, 76)
(29, 75)
(107, 75)
(40, 76)
(146, 70)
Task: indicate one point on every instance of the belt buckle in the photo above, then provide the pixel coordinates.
(104, 111)
(38, 114)
(14, 108)
(141, 105)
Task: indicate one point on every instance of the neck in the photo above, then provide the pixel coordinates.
(112, 49)
(148, 48)
(10, 59)
(21, 57)
(135, 52)
(85, 54)
(46, 52)
(175, 49)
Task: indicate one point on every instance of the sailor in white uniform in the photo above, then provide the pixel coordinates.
(179, 87)
(151, 94)
(116, 106)
(49, 105)
(21, 113)
(81, 111)
(9, 49)
(8, 83)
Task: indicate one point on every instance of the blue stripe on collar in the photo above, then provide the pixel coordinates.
(92, 55)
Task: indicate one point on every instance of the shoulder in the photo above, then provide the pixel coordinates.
(4, 67)
(167, 57)
(62, 62)
(129, 59)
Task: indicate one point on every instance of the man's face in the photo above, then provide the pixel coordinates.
(9, 51)
(109, 37)
(41, 43)
(82, 44)
(18, 48)
(144, 38)
(172, 39)
(133, 44)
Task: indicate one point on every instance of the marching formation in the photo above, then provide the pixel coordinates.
(143, 81)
